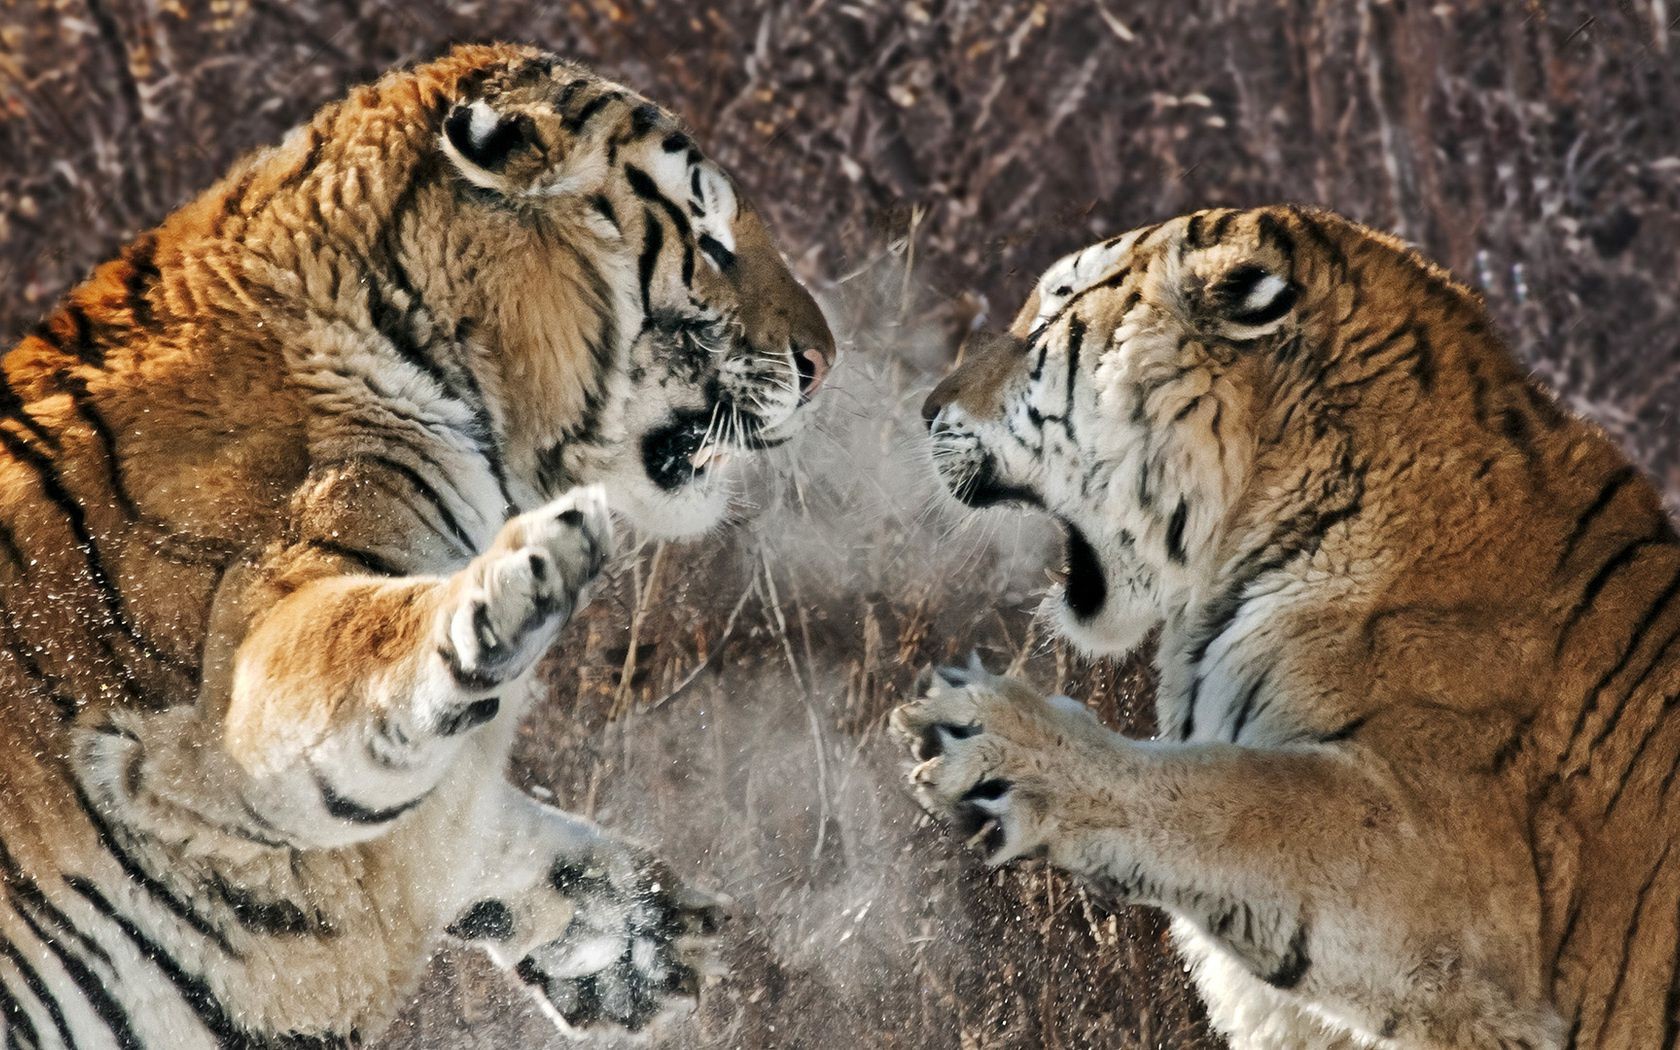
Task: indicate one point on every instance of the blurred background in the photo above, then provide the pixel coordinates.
(921, 161)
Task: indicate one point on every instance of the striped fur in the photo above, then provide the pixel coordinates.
(1419, 643)
(294, 493)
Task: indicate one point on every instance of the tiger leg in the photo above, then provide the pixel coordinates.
(600, 931)
(1318, 877)
(349, 697)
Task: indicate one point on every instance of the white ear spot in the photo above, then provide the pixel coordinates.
(1253, 297)
(479, 141)
(1264, 294)
(481, 121)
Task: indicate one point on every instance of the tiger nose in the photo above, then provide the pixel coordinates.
(938, 398)
(813, 368)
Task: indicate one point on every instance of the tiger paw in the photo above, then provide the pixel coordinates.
(515, 597)
(990, 753)
(637, 949)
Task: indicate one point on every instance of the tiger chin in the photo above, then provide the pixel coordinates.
(1419, 643)
(294, 495)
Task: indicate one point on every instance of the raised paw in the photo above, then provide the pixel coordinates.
(991, 753)
(637, 948)
(514, 598)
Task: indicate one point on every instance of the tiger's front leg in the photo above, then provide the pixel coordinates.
(1312, 883)
(351, 695)
(603, 933)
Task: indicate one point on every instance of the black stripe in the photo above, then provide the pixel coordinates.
(366, 560)
(714, 249)
(604, 206)
(39, 989)
(84, 343)
(52, 487)
(1606, 572)
(25, 652)
(465, 387)
(470, 681)
(1567, 933)
(1345, 731)
(421, 486)
(1220, 225)
(1646, 622)
(1271, 230)
(1422, 356)
(143, 878)
(12, 409)
(271, 918)
(567, 93)
(575, 123)
(81, 399)
(653, 241)
(26, 897)
(1514, 425)
(1628, 936)
(1246, 707)
(18, 1024)
(311, 158)
(354, 812)
(1175, 532)
(1606, 495)
(1671, 1003)
(1294, 964)
(143, 274)
(195, 991)
(1075, 343)
(645, 188)
(1193, 232)
(1327, 245)
(397, 325)
(88, 983)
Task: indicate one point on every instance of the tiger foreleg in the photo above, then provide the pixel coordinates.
(600, 931)
(351, 695)
(1317, 879)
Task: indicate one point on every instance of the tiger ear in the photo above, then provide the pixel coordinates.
(1251, 299)
(481, 141)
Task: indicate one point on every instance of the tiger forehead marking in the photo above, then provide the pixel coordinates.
(294, 496)
(1419, 641)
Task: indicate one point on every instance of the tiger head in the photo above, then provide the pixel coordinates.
(644, 325)
(1133, 396)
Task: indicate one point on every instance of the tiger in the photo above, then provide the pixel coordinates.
(1417, 634)
(295, 492)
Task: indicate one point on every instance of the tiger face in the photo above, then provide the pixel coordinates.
(1120, 401)
(587, 212)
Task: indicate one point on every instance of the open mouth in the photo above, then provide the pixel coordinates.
(1084, 588)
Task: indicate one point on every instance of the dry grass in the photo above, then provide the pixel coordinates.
(937, 154)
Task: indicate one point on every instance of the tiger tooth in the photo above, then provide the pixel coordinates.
(1058, 577)
(702, 455)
